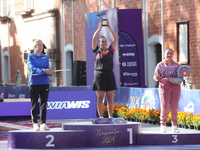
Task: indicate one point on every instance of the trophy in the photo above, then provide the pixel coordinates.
(104, 22)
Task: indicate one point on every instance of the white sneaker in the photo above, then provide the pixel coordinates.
(44, 127)
(175, 129)
(36, 127)
(162, 129)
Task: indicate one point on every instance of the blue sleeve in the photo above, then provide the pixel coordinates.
(34, 68)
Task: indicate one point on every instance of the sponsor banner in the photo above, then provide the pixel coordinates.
(71, 105)
(82, 103)
(131, 52)
(174, 71)
(129, 65)
(13, 92)
(148, 98)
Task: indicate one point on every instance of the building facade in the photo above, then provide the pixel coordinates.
(61, 26)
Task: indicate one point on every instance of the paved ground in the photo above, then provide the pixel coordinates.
(145, 128)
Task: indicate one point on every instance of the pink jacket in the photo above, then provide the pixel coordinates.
(164, 82)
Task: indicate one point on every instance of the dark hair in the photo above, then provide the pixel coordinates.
(101, 37)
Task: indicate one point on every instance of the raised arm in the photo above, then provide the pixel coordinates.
(94, 38)
(114, 36)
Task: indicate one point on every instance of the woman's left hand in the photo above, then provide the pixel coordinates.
(49, 71)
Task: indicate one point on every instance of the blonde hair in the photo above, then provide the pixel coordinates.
(35, 42)
(168, 49)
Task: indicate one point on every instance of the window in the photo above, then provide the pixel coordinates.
(4, 8)
(28, 5)
(183, 41)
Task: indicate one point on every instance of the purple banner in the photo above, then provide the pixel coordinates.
(131, 53)
(129, 65)
(174, 71)
(71, 105)
(13, 92)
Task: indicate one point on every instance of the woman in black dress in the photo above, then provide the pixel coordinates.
(104, 79)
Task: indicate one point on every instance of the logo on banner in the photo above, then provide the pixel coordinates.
(128, 54)
(68, 104)
(22, 95)
(127, 45)
(190, 107)
(2, 95)
(130, 84)
(129, 64)
(148, 99)
(130, 74)
(11, 95)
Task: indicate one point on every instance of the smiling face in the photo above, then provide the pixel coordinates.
(103, 43)
(38, 47)
(168, 54)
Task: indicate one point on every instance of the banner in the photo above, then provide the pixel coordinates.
(129, 66)
(71, 104)
(131, 52)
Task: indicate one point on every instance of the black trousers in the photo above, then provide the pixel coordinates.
(37, 91)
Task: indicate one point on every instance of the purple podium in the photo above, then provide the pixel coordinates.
(107, 135)
(87, 134)
(169, 139)
(28, 139)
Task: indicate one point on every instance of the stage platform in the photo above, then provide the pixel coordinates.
(108, 136)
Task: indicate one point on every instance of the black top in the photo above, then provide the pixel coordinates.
(104, 59)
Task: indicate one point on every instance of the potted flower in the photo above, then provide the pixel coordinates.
(189, 120)
(105, 111)
(182, 118)
(154, 115)
(124, 112)
(144, 115)
(116, 112)
(136, 113)
(196, 121)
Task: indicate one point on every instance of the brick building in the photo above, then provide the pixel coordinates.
(61, 26)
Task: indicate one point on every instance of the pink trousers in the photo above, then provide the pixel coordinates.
(169, 99)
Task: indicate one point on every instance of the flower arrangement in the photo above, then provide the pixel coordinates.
(154, 115)
(184, 118)
(196, 120)
(189, 119)
(105, 111)
(116, 112)
(126, 112)
(144, 114)
(136, 112)
(168, 122)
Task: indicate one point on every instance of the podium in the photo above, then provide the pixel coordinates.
(87, 134)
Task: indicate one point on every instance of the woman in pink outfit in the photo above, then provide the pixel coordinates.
(169, 93)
